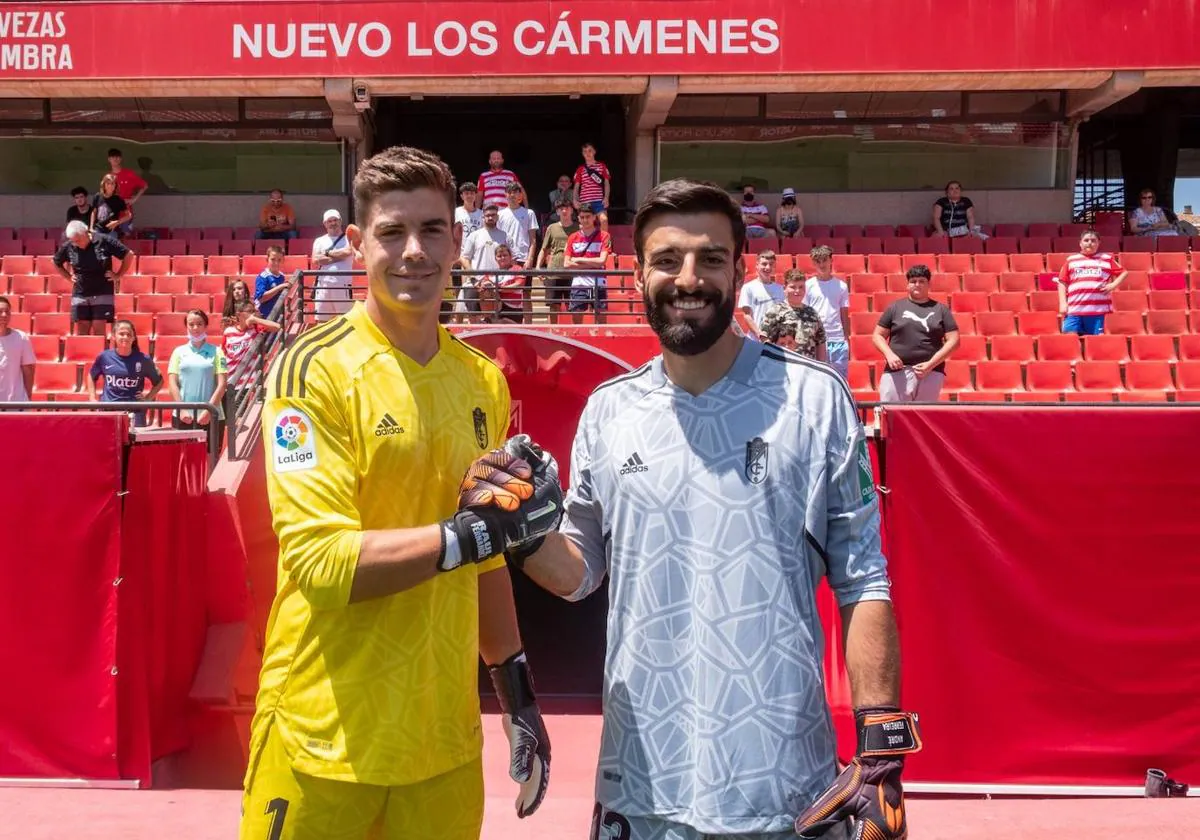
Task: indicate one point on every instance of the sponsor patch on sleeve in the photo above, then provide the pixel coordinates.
(866, 480)
(294, 446)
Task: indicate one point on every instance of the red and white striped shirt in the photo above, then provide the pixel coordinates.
(589, 185)
(1085, 278)
(492, 186)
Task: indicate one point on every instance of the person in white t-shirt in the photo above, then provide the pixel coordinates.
(478, 254)
(831, 298)
(759, 294)
(755, 214)
(332, 252)
(468, 217)
(16, 359)
(520, 225)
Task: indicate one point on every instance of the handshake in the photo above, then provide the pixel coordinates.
(509, 500)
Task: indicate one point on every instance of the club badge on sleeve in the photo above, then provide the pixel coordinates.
(295, 447)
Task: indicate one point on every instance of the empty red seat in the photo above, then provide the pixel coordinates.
(1017, 281)
(1136, 260)
(858, 376)
(1166, 322)
(861, 346)
(1035, 263)
(1064, 244)
(1137, 244)
(25, 284)
(1048, 377)
(1014, 230)
(1135, 280)
(994, 263)
(39, 303)
(15, 264)
(1034, 244)
(914, 231)
(979, 282)
(1187, 375)
(1047, 229)
(844, 264)
(1073, 229)
(864, 283)
(908, 261)
(50, 323)
(164, 345)
(940, 284)
(1000, 245)
(801, 261)
(971, 348)
(154, 303)
(45, 347)
(1012, 348)
(1129, 300)
(1059, 348)
(82, 348)
(208, 284)
(141, 247)
(1005, 376)
(882, 300)
(863, 323)
(52, 377)
(1037, 323)
(755, 246)
(294, 264)
(202, 302)
(846, 231)
(171, 247)
(1168, 300)
(236, 247)
(880, 231)
(124, 303)
(1009, 301)
(152, 265)
(187, 265)
(966, 245)
(1098, 377)
(1043, 302)
(858, 302)
(958, 377)
(865, 245)
(1149, 376)
(788, 245)
(225, 265)
(44, 264)
(1106, 348)
(898, 244)
(994, 323)
(135, 284)
(1152, 348)
(969, 302)
(1124, 323)
(1175, 261)
(1189, 347)
(966, 323)
(932, 245)
(1165, 281)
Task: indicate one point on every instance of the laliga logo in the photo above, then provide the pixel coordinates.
(291, 434)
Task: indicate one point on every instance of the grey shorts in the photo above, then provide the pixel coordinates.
(609, 825)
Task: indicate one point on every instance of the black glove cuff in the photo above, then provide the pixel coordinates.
(478, 537)
(886, 731)
(1160, 786)
(513, 683)
(518, 554)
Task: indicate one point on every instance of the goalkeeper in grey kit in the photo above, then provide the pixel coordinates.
(750, 482)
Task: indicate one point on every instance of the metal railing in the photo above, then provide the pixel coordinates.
(210, 430)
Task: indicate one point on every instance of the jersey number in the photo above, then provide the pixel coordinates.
(277, 808)
(616, 827)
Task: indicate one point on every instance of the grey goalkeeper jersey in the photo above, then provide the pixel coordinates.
(715, 517)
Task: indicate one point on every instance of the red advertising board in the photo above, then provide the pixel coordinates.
(273, 39)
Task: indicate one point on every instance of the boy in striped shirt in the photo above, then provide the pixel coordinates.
(1085, 286)
(592, 186)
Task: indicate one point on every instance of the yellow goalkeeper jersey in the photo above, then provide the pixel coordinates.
(359, 437)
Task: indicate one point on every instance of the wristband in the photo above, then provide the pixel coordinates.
(513, 683)
(887, 731)
(451, 556)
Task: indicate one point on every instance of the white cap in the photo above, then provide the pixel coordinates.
(331, 214)
(788, 192)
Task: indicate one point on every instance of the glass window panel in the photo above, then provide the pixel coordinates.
(847, 157)
(20, 110)
(820, 106)
(288, 109)
(721, 107)
(1028, 103)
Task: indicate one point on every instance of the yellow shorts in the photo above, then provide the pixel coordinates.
(281, 804)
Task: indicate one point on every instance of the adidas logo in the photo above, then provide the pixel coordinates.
(388, 426)
(634, 464)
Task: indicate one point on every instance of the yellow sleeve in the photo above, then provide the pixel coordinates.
(499, 435)
(312, 476)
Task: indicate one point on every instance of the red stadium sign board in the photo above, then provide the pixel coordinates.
(271, 39)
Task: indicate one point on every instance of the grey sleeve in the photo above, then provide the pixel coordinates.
(583, 516)
(844, 515)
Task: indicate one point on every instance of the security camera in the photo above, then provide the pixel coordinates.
(362, 97)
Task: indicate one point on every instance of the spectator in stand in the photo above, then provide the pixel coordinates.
(759, 293)
(110, 213)
(1085, 286)
(830, 297)
(520, 226)
(1148, 219)
(81, 210)
(196, 373)
(90, 254)
(798, 330)
(240, 336)
(562, 192)
(954, 214)
(332, 252)
(552, 254)
(236, 293)
(588, 247)
(269, 285)
(478, 255)
(593, 185)
(509, 288)
(493, 184)
(124, 370)
(789, 218)
(277, 219)
(16, 359)
(755, 214)
(468, 218)
(130, 185)
(810, 339)
(916, 336)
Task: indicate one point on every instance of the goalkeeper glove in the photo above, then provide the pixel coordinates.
(505, 506)
(869, 789)
(529, 745)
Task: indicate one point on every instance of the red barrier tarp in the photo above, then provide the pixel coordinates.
(61, 521)
(1046, 568)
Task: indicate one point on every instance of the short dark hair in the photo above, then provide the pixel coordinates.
(491, 206)
(682, 195)
(403, 169)
(114, 152)
(199, 313)
(918, 270)
(468, 186)
(274, 249)
(513, 187)
(79, 191)
(6, 301)
(563, 202)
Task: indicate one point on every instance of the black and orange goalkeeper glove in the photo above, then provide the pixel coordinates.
(869, 789)
(505, 505)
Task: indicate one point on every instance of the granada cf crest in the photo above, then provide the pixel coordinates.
(757, 460)
(481, 434)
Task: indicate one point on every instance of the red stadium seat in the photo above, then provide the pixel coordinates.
(1166, 322)
(865, 245)
(1130, 300)
(914, 231)
(907, 261)
(1149, 376)
(969, 302)
(1152, 348)
(172, 284)
(803, 262)
(1064, 244)
(955, 264)
(859, 302)
(82, 348)
(837, 244)
(755, 246)
(170, 247)
(154, 304)
(788, 245)
(141, 247)
(1137, 244)
(1047, 378)
(979, 282)
(868, 284)
(1000, 245)
(882, 300)
(995, 323)
(164, 345)
(45, 347)
(143, 324)
(1009, 301)
(1143, 396)
(993, 263)
(818, 231)
(898, 244)
(44, 264)
(152, 265)
(932, 245)
(1012, 348)
(1043, 302)
(217, 232)
(966, 323)
(39, 303)
(195, 301)
(1035, 263)
(236, 247)
(1189, 347)
(135, 284)
(1165, 281)
(1098, 377)
(884, 263)
(51, 323)
(36, 233)
(294, 264)
(1059, 348)
(1034, 244)
(863, 323)
(844, 264)
(1136, 260)
(1005, 376)
(846, 231)
(56, 284)
(11, 264)
(56, 377)
(1073, 229)
(858, 376)
(880, 231)
(1049, 229)
(1037, 323)
(1136, 280)
(1013, 230)
(225, 265)
(1172, 244)
(1161, 300)
(939, 284)
(862, 347)
(1106, 348)
(1017, 281)
(1055, 262)
(1187, 375)
(25, 284)
(966, 245)
(45, 247)
(186, 265)
(1124, 323)
(123, 303)
(303, 247)
(958, 377)
(971, 348)
(1171, 261)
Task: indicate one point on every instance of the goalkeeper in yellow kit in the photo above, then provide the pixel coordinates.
(394, 501)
